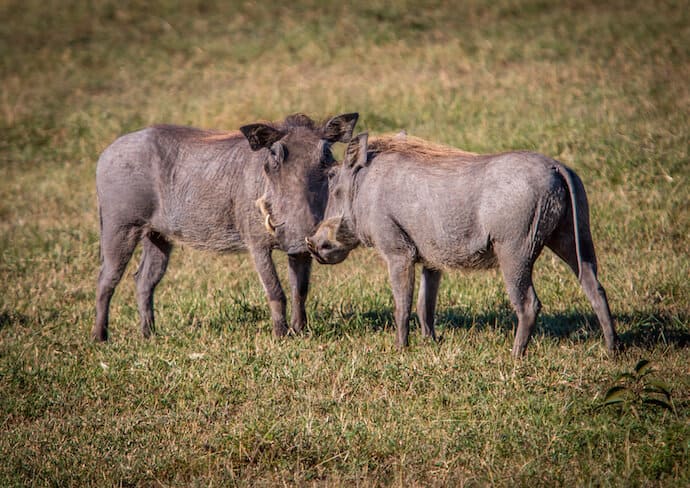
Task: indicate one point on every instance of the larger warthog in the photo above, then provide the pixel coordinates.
(444, 208)
(263, 187)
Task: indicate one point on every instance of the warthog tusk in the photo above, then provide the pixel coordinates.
(268, 223)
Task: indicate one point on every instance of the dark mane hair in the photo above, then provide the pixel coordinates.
(298, 120)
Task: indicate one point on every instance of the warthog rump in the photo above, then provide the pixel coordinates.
(444, 208)
(261, 188)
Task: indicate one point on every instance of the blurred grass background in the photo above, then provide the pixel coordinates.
(213, 399)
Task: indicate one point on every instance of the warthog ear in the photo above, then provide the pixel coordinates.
(340, 127)
(401, 135)
(356, 152)
(261, 135)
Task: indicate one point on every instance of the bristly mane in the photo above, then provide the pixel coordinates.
(291, 121)
(414, 146)
(221, 136)
(298, 120)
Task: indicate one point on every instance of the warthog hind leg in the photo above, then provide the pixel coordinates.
(154, 262)
(401, 270)
(426, 301)
(564, 247)
(117, 246)
(516, 267)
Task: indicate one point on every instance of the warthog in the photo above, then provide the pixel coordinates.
(444, 208)
(260, 188)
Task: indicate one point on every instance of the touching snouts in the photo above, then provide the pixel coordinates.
(324, 245)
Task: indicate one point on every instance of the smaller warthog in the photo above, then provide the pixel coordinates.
(260, 188)
(416, 202)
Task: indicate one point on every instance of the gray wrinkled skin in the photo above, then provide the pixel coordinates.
(444, 208)
(261, 188)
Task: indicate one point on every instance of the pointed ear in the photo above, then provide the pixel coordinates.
(340, 127)
(401, 135)
(356, 152)
(261, 135)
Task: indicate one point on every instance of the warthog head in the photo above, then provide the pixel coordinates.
(336, 236)
(296, 164)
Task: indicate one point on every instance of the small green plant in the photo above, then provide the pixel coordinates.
(637, 388)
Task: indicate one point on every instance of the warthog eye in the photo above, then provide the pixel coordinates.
(326, 246)
(327, 158)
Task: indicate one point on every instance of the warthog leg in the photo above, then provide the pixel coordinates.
(401, 270)
(597, 297)
(516, 265)
(117, 246)
(299, 268)
(426, 301)
(564, 247)
(154, 261)
(274, 291)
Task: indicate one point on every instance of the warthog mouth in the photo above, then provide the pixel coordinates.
(314, 252)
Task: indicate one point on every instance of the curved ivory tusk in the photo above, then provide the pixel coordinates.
(268, 224)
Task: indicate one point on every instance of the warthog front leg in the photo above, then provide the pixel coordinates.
(276, 297)
(299, 268)
(401, 271)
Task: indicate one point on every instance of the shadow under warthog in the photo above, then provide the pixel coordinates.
(648, 329)
(12, 317)
(639, 329)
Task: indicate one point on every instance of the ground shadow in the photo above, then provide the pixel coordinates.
(12, 317)
(647, 330)
(638, 329)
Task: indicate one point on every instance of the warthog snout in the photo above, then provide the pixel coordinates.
(313, 249)
(323, 245)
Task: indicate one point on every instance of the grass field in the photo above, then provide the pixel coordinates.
(213, 398)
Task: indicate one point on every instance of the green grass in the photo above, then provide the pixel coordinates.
(213, 399)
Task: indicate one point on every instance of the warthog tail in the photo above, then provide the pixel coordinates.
(572, 188)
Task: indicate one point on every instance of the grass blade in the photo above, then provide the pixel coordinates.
(658, 390)
(643, 367)
(659, 403)
(615, 394)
